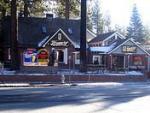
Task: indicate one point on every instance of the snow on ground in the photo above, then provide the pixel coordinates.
(76, 72)
(134, 73)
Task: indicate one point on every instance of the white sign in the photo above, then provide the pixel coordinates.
(56, 43)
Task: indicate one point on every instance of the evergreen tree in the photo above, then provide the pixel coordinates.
(98, 22)
(135, 29)
(31, 7)
(146, 33)
(68, 8)
(107, 22)
(89, 16)
(4, 8)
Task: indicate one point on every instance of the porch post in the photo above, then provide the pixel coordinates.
(128, 61)
(111, 61)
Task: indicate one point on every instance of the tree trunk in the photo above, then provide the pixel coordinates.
(14, 44)
(83, 60)
(26, 11)
(3, 12)
(67, 9)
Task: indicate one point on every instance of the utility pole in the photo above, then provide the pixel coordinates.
(14, 42)
(83, 59)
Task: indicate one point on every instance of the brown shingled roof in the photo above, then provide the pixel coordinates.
(101, 37)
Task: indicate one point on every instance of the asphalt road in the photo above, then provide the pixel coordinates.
(83, 98)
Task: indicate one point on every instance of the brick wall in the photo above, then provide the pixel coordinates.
(69, 78)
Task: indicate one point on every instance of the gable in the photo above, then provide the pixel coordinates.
(128, 47)
(59, 39)
(111, 39)
(90, 35)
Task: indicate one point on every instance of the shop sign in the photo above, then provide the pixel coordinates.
(59, 41)
(129, 49)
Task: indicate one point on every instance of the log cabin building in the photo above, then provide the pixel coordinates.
(56, 42)
(45, 42)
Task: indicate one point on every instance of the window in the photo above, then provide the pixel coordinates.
(96, 59)
(34, 57)
(77, 58)
(137, 60)
(9, 54)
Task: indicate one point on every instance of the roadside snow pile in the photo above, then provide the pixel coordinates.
(14, 85)
(122, 73)
(5, 72)
(134, 73)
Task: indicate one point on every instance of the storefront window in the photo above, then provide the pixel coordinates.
(137, 60)
(118, 61)
(33, 57)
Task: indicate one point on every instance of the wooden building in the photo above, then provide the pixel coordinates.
(114, 52)
(45, 42)
(56, 42)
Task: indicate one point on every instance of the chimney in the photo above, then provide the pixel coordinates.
(49, 16)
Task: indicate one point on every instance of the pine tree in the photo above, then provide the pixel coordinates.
(4, 7)
(107, 22)
(135, 29)
(97, 19)
(31, 7)
(89, 22)
(68, 8)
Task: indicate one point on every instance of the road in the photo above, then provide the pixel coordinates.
(83, 98)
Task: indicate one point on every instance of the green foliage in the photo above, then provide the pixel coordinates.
(73, 8)
(4, 8)
(34, 7)
(31, 7)
(37, 8)
(136, 29)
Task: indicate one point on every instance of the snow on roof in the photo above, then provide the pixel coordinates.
(104, 49)
(40, 44)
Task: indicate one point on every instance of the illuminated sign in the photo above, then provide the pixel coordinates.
(129, 49)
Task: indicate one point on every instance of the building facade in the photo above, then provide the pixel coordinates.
(55, 42)
(114, 52)
(45, 42)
